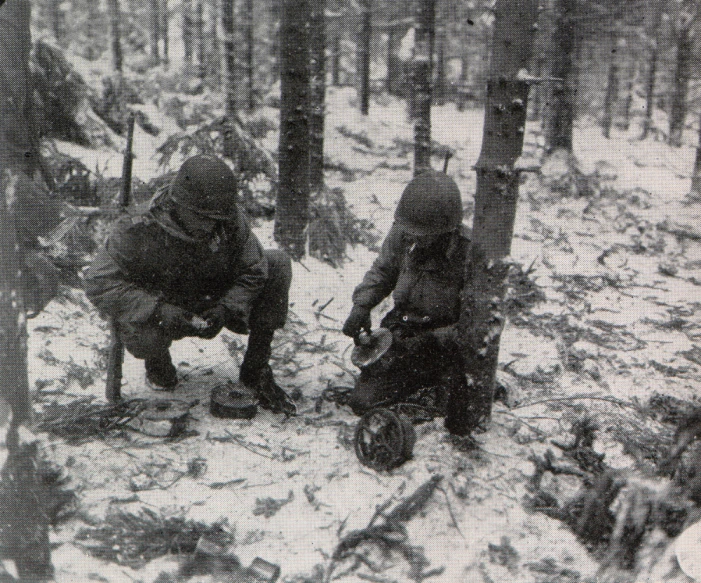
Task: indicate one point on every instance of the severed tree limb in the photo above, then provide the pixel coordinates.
(391, 533)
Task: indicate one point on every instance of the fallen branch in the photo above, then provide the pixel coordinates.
(390, 535)
(611, 400)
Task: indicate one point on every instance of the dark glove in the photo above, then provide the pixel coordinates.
(359, 319)
(216, 318)
(175, 320)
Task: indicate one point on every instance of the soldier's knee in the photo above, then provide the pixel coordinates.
(144, 341)
(279, 268)
(270, 309)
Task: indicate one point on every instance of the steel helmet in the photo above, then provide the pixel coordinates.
(430, 205)
(207, 186)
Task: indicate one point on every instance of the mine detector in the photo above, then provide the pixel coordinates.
(384, 437)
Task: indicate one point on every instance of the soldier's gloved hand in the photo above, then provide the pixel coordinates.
(174, 319)
(359, 319)
(217, 318)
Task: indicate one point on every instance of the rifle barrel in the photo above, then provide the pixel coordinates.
(125, 193)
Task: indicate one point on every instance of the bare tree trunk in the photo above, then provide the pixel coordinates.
(155, 31)
(695, 192)
(230, 81)
(15, 170)
(274, 33)
(650, 90)
(652, 68)
(214, 56)
(559, 116)
(464, 69)
(187, 28)
(677, 116)
(364, 39)
(24, 532)
(495, 211)
(317, 81)
(391, 61)
(57, 20)
(421, 83)
(92, 29)
(611, 88)
(336, 61)
(440, 68)
(249, 54)
(115, 35)
(200, 40)
(628, 105)
(165, 30)
(292, 211)
(535, 105)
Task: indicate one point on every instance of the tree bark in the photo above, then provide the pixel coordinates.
(391, 61)
(682, 74)
(251, 103)
(230, 81)
(364, 39)
(16, 170)
(559, 115)
(187, 29)
(628, 105)
(535, 106)
(336, 61)
(57, 20)
(200, 40)
(92, 29)
(165, 30)
(611, 89)
(212, 45)
(275, 38)
(421, 83)
(317, 86)
(481, 321)
(440, 68)
(25, 533)
(695, 192)
(650, 89)
(115, 36)
(292, 210)
(155, 31)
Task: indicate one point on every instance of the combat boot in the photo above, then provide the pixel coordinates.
(161, 374)
(270, 395)
(257, 375)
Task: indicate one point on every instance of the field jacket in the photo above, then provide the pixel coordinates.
(149, 259)
(425, 288)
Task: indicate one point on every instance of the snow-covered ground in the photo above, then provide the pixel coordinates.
(632, 327)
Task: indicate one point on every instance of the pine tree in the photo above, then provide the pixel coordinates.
(364, 39)
(421, 83)
(495, 211)
(317, 80)
(115, 35)
(292, 210)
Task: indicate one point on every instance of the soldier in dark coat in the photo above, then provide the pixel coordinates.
(190, 266)
(422, 263)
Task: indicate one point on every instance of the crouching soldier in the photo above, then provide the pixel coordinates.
(190, 266)
(422, 263)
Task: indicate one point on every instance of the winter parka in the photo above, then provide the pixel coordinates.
(149, 259)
